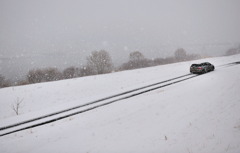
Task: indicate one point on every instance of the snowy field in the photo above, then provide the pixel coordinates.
(199, 115)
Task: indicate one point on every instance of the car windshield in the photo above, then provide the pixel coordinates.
(195, 65)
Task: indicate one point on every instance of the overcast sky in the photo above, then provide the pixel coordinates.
(35, 32)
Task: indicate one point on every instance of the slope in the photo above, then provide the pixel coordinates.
(198, 115)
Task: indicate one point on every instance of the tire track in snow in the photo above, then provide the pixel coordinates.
(124, 94)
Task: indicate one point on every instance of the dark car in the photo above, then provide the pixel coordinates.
(201, 68)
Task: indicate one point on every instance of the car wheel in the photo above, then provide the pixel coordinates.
(205, 71)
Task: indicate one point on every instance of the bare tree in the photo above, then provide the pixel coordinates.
(180, 54)
(44, 75)
(86, 71)
(2, 79)
(70, 72)
(16, 106)
(100, 62)
(35, 76)
(136, 56)
(52, 74)
(22, 82)
(233, 51)
(158, 61)
(136, 60)
(4, 82)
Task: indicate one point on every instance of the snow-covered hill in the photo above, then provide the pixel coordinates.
(199, 115)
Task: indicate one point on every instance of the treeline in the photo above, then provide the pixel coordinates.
(98, 62)
(137, 60)
(4, 82)
(233, 51)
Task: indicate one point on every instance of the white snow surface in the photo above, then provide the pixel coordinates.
(199, 115)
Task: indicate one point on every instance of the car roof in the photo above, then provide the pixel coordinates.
(202, 63)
